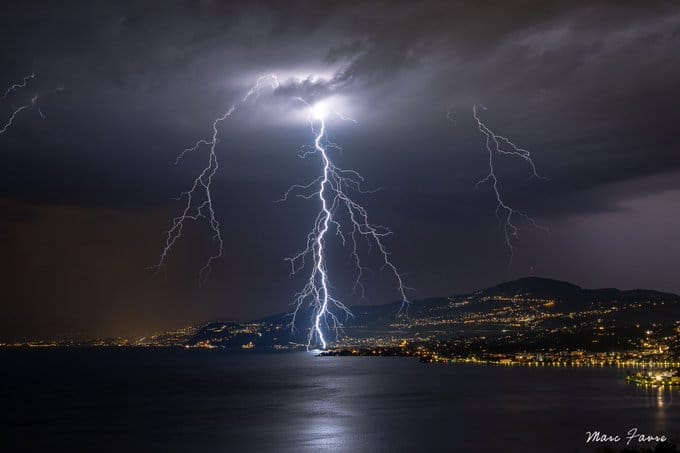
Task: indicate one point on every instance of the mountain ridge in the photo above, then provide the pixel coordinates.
(504, 289)
(564, 285)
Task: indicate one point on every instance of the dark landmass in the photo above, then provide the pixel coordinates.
(527, 315)
(530, 319)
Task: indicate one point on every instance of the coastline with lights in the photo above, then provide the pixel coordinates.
(531, 322)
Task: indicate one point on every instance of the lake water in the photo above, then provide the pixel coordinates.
(177, 400)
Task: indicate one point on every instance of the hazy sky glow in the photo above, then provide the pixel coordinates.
(85, 195)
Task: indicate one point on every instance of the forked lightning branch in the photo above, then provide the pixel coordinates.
(338, 216)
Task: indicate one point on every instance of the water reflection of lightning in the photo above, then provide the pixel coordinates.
(332, 189)
(198, 199)
(34, 102)
(500, 145)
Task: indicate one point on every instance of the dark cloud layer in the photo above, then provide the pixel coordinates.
(590, 87)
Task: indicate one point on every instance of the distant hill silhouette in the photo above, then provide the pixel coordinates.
(550, 288)
(537, 286)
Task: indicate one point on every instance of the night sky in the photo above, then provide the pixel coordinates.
(591, 88)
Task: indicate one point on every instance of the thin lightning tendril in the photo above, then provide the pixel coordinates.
(11, 118)
(499, 145)
(332, 189)
(34, 102)
(198, 199)
(18, 85)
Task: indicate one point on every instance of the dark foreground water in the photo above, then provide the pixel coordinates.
(176, 400)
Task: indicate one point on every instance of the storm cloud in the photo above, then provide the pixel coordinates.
(85, 194)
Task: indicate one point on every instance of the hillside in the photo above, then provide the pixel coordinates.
(525, 307)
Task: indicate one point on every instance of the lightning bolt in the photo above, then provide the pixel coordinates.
(332, 190)
(32, 104)
(18, 85)
(198, 199)
(499, 145)
(15, 87)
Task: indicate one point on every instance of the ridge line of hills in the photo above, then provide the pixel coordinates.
(536, 286)
(516, 310)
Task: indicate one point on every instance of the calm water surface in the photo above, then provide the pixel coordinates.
(176, 400)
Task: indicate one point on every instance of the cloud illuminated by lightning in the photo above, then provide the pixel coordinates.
(332, 189)
(497, 145)
(198, 199)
